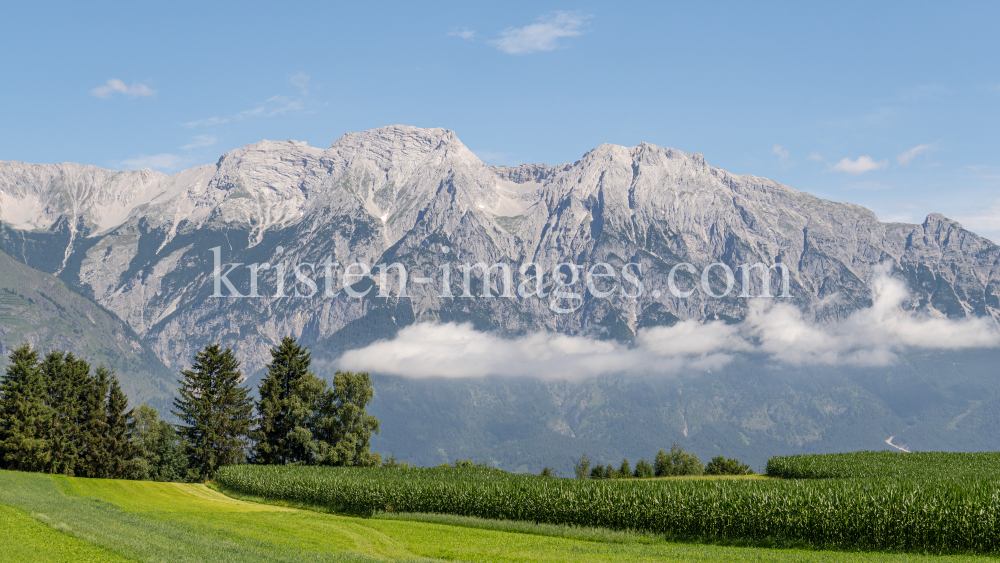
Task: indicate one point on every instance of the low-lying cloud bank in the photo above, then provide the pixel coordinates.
(868, 337)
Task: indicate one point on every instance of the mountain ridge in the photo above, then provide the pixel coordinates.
(140, 245)
(402, 194)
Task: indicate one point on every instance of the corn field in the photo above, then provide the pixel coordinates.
(931, 510)
(886, 464)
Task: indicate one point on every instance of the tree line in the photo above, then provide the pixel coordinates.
(665, 464)
(59, 416)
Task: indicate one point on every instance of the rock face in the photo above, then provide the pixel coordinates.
(140, 243)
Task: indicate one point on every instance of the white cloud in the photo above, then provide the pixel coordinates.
(872, 336)
(815, 156)
(452, 350)
(113, 86)
(542, 35)
(870, 186)
(463, 32)
(199, 141)
(692, 338)
(205, 122)
(782, 155)
(163, 162)
(859, 165)
(905, 157)
(275, 105)
(301, 80)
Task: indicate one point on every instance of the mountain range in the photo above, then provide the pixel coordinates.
(142, 250)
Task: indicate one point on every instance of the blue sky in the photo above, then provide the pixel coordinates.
(891, 105)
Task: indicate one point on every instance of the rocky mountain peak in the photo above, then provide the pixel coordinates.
(36, 196)
(937, 222)
(403, 194)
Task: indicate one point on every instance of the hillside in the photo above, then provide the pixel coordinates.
(751, 409)
(39, 308)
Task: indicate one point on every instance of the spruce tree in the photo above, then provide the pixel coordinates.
(344, 428)
(94, 458)
(120, 452)
(215, 412)
(24, 415)
(289, 396)
(65, 376)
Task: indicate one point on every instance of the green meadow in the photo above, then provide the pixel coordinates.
(54, 518)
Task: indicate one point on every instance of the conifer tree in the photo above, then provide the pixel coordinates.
(65, 376)
(215, 412)
(24, 415)
(94, 457)
(119, 462)
(289, 396)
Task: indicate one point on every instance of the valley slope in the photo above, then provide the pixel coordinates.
(40, 309)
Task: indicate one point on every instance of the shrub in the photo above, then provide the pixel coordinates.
(727, 466)
(391, 462)
(465, 463)
(602, 472)
(677, 462)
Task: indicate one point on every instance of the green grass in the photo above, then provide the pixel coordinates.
(23, 538)
(935, 511)
(149, 521)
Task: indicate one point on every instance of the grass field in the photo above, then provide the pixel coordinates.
(46, 518)
(23, 538)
